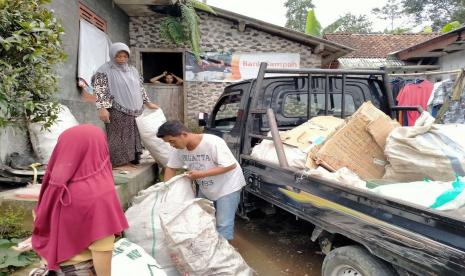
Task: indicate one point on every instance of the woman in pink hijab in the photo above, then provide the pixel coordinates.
(78, 213)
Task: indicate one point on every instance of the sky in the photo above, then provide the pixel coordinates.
(327, 11)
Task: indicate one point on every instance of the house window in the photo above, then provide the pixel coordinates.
(155, 63)
(89, 16)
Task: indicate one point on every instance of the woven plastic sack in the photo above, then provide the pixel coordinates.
(196, 248)
(44, 141)
(148, 123)
(130, 259)
(143, 216)
(426, 150)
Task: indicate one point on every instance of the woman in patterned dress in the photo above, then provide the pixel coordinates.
(120, 99)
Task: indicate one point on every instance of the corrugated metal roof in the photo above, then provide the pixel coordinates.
(369, 63)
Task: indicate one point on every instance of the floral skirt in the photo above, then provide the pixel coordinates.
(123, 138)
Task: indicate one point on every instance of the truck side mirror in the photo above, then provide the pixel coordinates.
(203, 118)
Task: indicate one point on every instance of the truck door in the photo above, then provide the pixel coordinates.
(227, 116)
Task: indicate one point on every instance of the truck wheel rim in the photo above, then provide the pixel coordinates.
(345, 270)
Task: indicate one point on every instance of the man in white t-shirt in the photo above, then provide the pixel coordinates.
(212, 165)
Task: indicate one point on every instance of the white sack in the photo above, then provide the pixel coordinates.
(421, 193)
(143, 216)
(148, 124)
(344, 176)
(130, 259)
(44, 141)
(266, 151)
(427, 150)
(197, 249)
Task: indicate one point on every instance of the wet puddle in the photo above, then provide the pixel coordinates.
(278, 245)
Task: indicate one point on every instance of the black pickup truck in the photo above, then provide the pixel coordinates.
(360, 232)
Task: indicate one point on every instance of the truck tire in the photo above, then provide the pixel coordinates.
(354, 261)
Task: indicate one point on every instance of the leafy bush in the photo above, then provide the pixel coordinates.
(11, 223)
(11, 233)
(11, 260)
(30, 48)
(185, 29)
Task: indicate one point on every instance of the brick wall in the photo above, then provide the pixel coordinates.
(218, 35)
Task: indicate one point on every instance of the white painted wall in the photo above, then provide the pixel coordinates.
(452, 61)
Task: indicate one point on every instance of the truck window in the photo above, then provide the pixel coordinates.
(295, 105)
(225, 112)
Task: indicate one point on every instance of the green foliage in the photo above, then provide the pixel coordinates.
(398, 30)
(450, 27)
(30, 47)
(171, 28)
(191, 25)
(202, 6)
(10, 260)
(427, 30)
(440, 12)
(297, 12)
(312, 26)
(350, 23)
(391, 11)
(185, 29)
(11, 223)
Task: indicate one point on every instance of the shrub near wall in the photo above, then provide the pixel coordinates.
(30, 47)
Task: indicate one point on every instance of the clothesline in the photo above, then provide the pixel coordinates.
(428, 73)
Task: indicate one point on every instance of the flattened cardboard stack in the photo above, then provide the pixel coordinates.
(359, 144)
(311, 133)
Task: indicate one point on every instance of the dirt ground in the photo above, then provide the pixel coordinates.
(278, 245)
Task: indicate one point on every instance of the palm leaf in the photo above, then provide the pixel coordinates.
(312, 26)
(201, 6)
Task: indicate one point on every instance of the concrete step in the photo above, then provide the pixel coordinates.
(127, 186)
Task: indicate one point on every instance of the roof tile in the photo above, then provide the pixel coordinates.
(377, 45)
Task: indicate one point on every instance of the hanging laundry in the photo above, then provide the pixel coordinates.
(441, 90)
(453, 109)
(415, 94)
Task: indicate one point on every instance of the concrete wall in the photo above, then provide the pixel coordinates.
(16, 140)
(117, 29)
(218, 35)
(452, 61)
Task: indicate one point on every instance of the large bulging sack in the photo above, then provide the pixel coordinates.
(44, 141)
(148, 123)
(266, 151)
(426, 150)
(433, 194)
(143, 216)
(130, 259)
(196, 248)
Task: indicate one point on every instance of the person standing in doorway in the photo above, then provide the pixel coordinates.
(120, 99)
(212, 165)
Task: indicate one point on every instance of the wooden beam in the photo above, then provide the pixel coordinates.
(428, 54)
(454, 47)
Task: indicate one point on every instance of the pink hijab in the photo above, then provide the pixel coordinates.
(77, 203)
